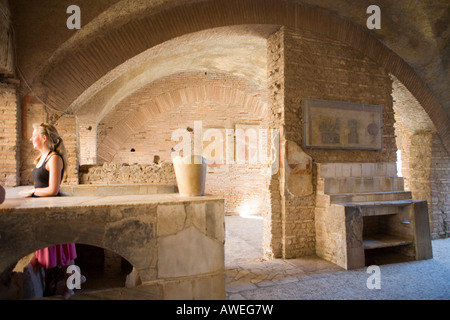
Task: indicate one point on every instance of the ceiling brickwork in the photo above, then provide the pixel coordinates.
(218, 94)
(63, 65)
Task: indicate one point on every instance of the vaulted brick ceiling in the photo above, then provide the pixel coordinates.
(214, 50)
(72, 69)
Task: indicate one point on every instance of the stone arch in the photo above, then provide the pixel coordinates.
(11, 260)
(218, 88)
(90, 61)
(223, 50)
(45, 235)
(26, 259)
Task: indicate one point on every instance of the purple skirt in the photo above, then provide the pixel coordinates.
(61, 254)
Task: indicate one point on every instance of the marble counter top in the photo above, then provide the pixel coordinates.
(107, 200)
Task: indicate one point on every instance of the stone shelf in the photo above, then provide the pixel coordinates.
(338, 198)
(384, 241)
(394, 203)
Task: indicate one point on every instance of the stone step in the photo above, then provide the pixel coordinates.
(357, 169)
(363, 185)
(117, 189)
(379, 208)
(370, 196)
(393, 203)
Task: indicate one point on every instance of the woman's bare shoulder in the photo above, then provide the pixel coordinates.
(54, 158)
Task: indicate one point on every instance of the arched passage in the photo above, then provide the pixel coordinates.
(103, 268)
(26, 250)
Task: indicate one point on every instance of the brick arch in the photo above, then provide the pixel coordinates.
(93, 60)
(226, 90)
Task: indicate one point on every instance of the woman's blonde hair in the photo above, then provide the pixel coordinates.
(56, 143)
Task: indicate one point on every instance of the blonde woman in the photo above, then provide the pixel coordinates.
(48, 174)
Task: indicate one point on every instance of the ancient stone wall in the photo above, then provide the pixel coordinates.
(420, 166)
(440, 189)
(321, 68)
(121, 173)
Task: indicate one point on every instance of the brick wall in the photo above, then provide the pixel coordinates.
(425, 168)
(6, 40)
(440, 189)
(9, 136)
(145, 120)
(321, 68)
(420, 166)
(33, 111)
(67, 129)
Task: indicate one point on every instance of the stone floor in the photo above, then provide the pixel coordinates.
(249, 276)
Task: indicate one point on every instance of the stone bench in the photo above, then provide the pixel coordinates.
(175, 244)
(117, 189)
(105, 189)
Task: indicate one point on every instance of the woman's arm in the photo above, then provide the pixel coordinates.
(54, 166)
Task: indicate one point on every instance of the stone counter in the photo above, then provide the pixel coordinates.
(175, 244)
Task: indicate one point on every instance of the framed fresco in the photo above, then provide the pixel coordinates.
(342, 125)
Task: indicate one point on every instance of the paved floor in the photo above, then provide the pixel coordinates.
(249, 276)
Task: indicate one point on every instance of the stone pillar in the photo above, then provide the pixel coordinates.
(420, 167)
(440, 190)
(273, 221)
